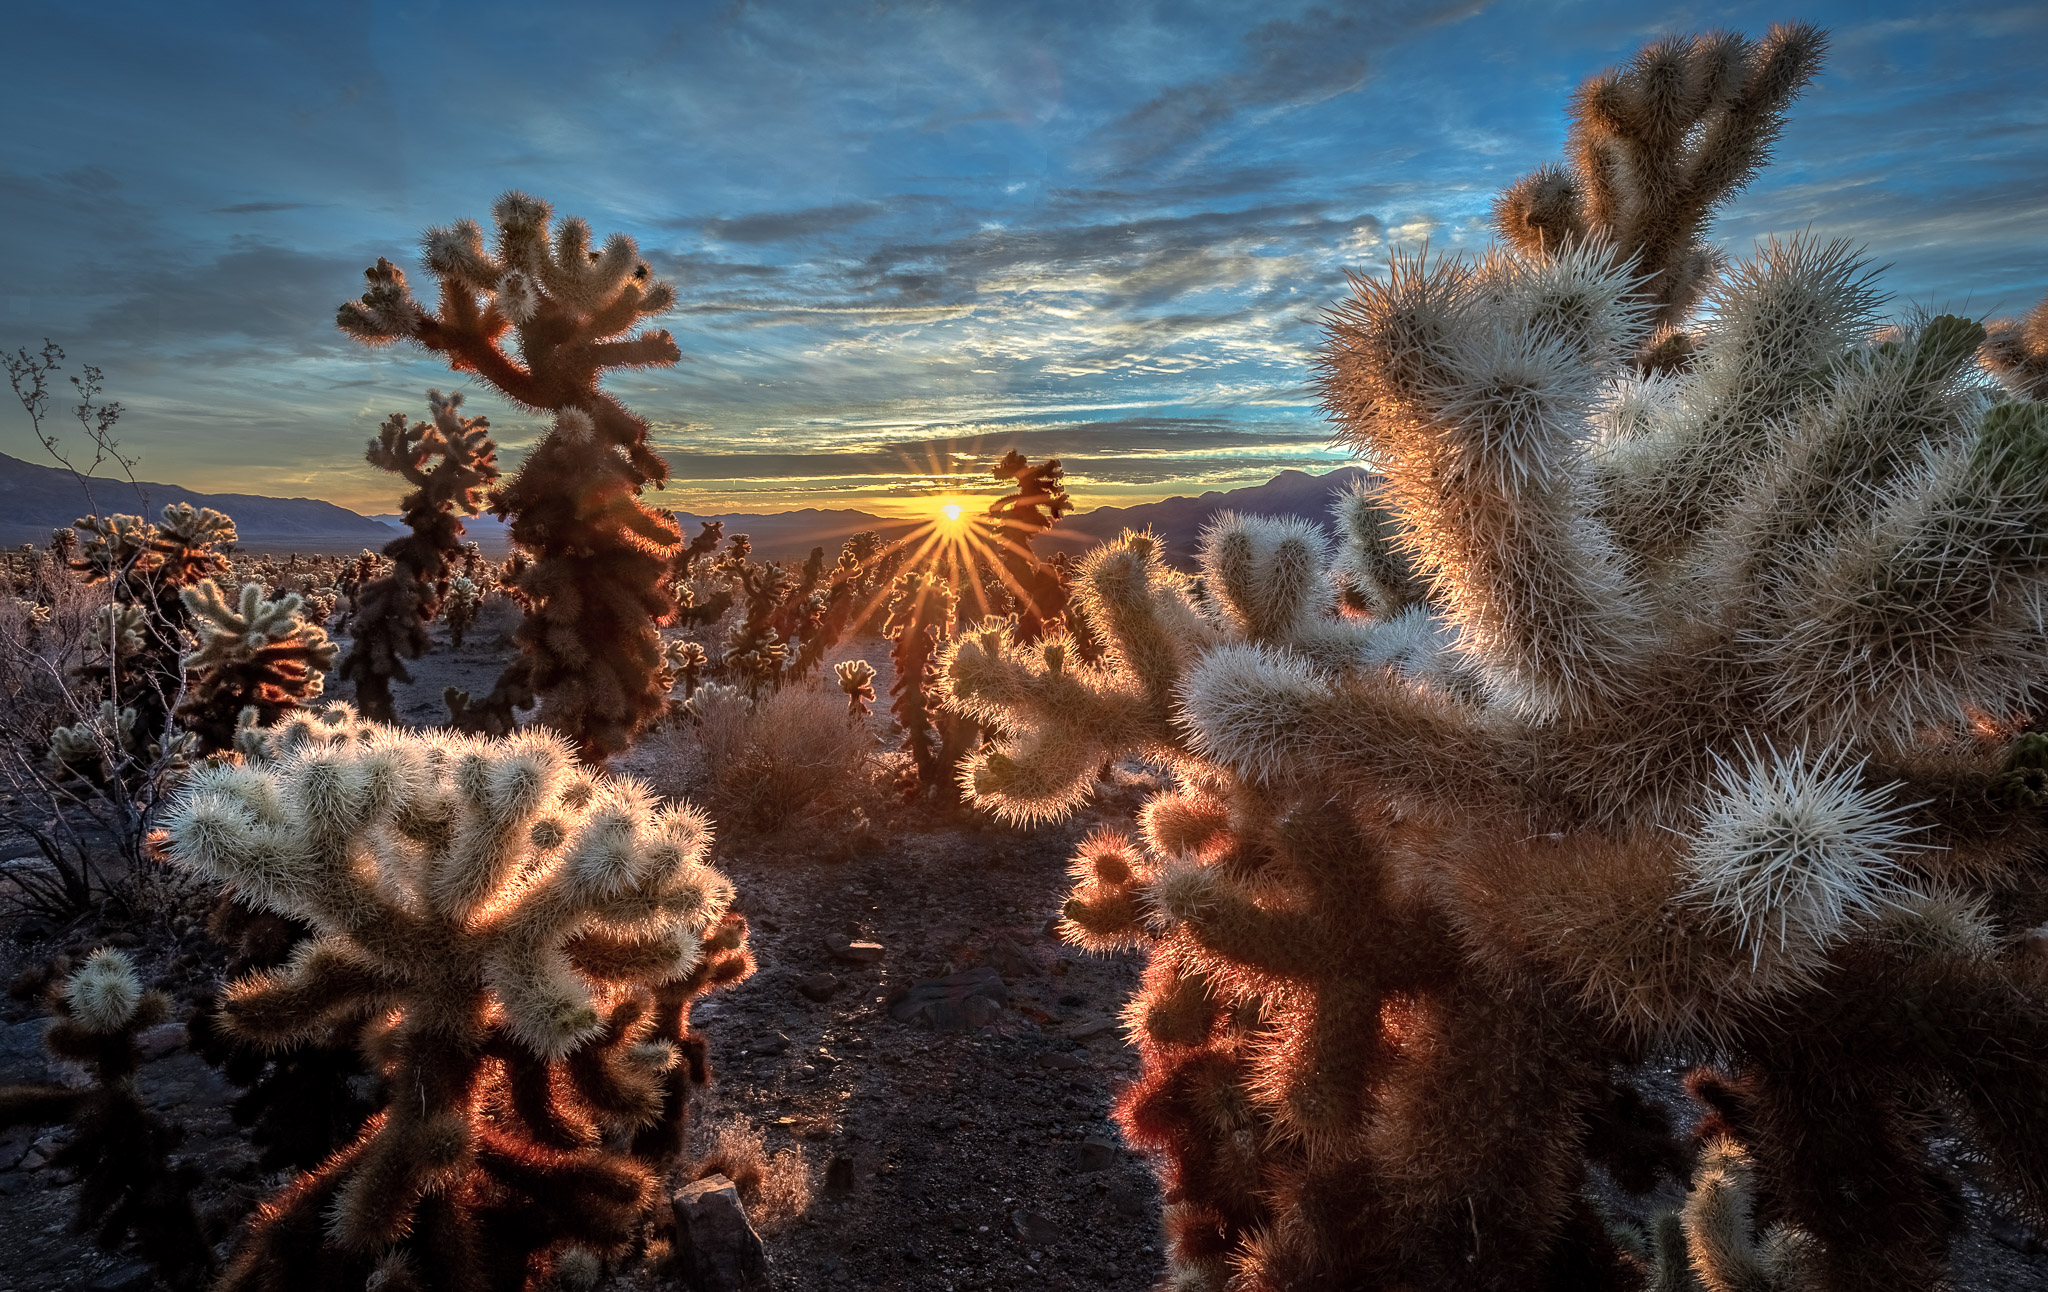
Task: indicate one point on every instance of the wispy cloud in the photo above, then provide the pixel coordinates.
(901, 235)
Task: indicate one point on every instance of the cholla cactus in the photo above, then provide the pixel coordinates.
(2016, 352)
(254, 654)
(920, 624)
(1034, 506)
(459, 610)
(118, 1148)
(518, 964)
(598, 584)
(392, 613)
(857, 680)
(1700, 735)
(685, 662)
(147, 568)
(1654, 149)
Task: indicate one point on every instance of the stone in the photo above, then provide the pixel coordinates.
(852, 950)
(163, 1039)
(839, 1174)
(716, 1246)
(129, 1276)
(1057, 1062)
(817, 986)
(22, 1057)
(957, 1002)
(1031, 1228)
(1088, 1029)
(1095, 1154)
(776, 1044)
(1128, 1199)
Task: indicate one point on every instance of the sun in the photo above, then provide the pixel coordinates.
(951, 511)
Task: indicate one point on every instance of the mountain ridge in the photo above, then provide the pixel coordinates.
(36, 499)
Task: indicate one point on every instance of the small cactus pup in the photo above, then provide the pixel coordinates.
(392, 612)
(598, 585)
(517, 941)
(120, 1151)
(253, 654)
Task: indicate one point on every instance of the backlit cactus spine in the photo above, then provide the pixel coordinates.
(1697, 727)
(519, 965)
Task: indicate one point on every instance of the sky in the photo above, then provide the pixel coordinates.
(903, 236)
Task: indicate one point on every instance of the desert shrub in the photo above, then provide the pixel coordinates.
(776, 1188)
(1700, 726)
(765, 762)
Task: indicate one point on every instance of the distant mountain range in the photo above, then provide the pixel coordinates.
(34, 500)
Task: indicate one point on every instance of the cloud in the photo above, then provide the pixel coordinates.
(273, 299)
(781, 226)
(1287, 62)
(256, 208)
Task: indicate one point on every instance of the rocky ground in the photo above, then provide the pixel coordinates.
(944, 1066)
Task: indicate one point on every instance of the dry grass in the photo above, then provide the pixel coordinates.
(776, 1189)
(761, 764)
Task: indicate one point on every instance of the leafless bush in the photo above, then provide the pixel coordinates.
(776, 1188)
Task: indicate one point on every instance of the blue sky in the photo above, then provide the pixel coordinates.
(903, 235)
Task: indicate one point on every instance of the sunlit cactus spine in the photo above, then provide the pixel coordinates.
(392, 612)
(253, 653)
(2016, 352)
(590, 644)
(145, 568)
(129, 1185)
(519, 965)
(1655, 148)
(1686, 714)
(459, 611)
(856, 678)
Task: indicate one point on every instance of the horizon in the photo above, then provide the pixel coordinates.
(903, 239)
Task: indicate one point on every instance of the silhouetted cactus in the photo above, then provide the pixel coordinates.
(129, 1186)
(525, 956)
(1687, 718)
(920, 624)
(597, 587)
(1038, 500)
(392, 612)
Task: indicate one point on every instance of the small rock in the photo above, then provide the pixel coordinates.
(1088, 1029)
(130, 1276)
(817, 986)
(839, 1174)
(1095, 1154)
(2012, 1234)
(716, 1245)
(40, 1152)
(164, 1038)
(1058, 1062)
(776, 1044)
(22, 1057)
(1030, 1227)
(857, 951)
(969, 999)
(1128, 1199)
